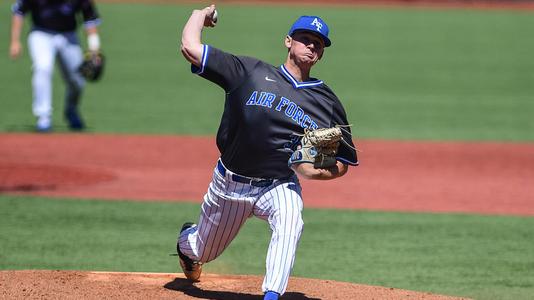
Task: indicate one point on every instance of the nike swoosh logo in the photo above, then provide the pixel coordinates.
(269, 79)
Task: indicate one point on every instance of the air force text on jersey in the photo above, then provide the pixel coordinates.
(282, 105)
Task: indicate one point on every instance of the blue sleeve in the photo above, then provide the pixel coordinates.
(203, 61)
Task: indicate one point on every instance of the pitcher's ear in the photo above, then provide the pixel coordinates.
(287, 41)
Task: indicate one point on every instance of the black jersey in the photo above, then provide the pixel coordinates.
(265, 106)
(57, 15)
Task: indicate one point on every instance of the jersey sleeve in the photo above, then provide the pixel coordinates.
(346, 153)
(224, 69)
(89, 13)
(21, 7)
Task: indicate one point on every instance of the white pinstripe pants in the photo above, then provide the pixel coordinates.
(226, 207)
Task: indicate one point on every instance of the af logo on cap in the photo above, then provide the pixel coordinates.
(317, 24)
(313, 24)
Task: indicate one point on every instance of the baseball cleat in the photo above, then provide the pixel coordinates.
(73, 118)
(44, 124)
(192, 269)
(270, 295)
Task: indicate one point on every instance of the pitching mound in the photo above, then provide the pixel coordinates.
(114, 285)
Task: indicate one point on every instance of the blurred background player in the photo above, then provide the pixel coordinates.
(53, 34)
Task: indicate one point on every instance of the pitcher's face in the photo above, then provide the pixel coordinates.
(305, 47)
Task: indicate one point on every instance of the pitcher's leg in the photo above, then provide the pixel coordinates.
(284, 207)
(43, 55)
(224, 210)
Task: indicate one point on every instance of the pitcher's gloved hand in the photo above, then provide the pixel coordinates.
(318, 147)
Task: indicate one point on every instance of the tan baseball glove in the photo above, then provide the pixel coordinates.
(318, 147)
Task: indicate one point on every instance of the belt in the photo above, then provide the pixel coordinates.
(242, 179)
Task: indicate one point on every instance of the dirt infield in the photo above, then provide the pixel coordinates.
(463, 177)
(105, 285)
(490, 178)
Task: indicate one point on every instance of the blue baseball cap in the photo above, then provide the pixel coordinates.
(313, 24)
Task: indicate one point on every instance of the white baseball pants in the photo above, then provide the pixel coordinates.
(44, 47)
(227, 205)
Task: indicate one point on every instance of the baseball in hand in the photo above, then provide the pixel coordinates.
(214, 16)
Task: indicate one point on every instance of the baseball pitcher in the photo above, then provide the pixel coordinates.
(278, 124)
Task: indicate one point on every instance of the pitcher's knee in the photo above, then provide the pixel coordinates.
(295, 217)
(299, 225)
(293, 228)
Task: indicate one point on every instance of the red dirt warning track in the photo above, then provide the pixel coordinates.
(464, 177)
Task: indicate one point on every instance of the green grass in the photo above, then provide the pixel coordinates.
(484, 257)
(402, 73)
